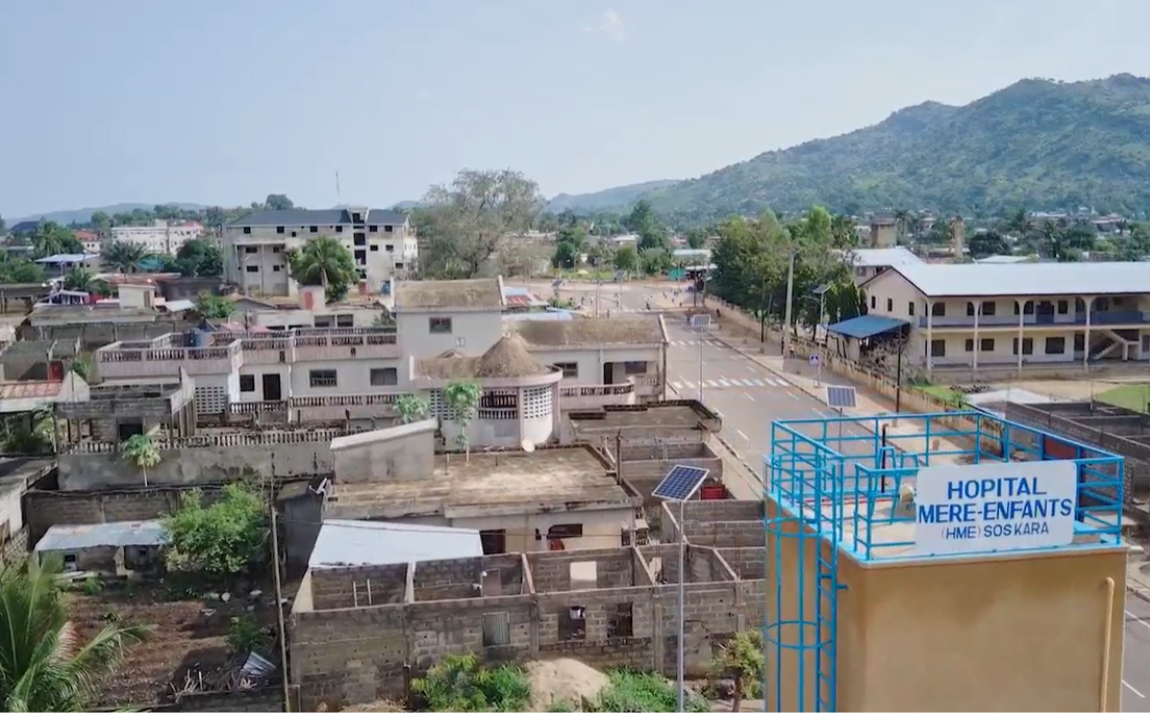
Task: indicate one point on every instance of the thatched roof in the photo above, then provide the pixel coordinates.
(484, 293)
(630, 330)
(507, 359)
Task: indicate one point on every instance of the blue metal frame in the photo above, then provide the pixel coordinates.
(827, 476)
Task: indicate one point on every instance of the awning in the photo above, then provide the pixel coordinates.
(868, 325)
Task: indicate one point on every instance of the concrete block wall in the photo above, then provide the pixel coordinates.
(44, 508)
(551, 571)
(438, 629)
(747, 562)
(438, 580)
(601, 646)
(343, 587)
(348, 656)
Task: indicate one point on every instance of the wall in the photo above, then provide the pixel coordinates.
(477, 330)
(268, 698)
(591, 359)
(352, 376)
(189, 466)
(392, 454)
(44, 508)
(601, 528)
(11, 515)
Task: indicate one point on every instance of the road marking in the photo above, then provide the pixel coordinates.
(752, 398)
(1132, 688)
(743, 435)
(688, 385)
(675, 385)
(724, 383)
(1136, 618)
(710, 384)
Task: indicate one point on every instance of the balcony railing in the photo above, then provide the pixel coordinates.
(116, 361)
(1131, 317)
(599, 390)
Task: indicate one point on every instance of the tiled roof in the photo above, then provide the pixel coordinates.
(334, 216)
(30, 389)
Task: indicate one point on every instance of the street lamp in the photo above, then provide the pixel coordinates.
(699, 323)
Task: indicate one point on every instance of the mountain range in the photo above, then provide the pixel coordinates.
(83, 215)
(1038, 143)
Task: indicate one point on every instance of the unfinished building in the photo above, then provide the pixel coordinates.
(361, 633)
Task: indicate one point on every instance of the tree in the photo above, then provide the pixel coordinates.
(51, 238)
(199, 258)
(325, 261)
(696, 238)
(463, 399)
(45, 665)
(990, 242)
(17, 272)
(653, 261)
(82, 366)
(214, 307)
(626, 258)
(101, 221)
(221, 540)
(570, 244)
(410, 408)
(643, 222)
(743, 660)
(142, 452)
(464, 223)
(278, 201)
(124, 256)
(78, 279)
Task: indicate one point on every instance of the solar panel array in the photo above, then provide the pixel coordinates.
(680, 483)
(841, 397)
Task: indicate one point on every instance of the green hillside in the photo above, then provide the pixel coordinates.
(612, 198)
(1037, 143)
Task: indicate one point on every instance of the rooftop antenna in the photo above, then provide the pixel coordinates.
(338, 198)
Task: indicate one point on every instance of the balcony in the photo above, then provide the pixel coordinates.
(647, 384)
(165, 356)
(1111, 319)
(320, 345)
(589, 397)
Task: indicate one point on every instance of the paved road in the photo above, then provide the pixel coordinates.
(1136, 661)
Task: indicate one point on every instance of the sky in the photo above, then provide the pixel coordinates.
(221, 103)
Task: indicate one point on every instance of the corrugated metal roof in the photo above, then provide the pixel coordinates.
(883, 257)
(1003, 260)
(1029, 279)
(134, 533)
(30, 389)
(65, 258)
(334, 216)
(353, 543)
(551, 315)
(868, 325)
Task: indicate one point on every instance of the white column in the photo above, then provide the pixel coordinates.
(1087, 301)
(929, 335)
(1021, 326)
(977, 312)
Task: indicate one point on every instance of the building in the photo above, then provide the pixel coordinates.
(1051, 316)
(948, 559)
(90, 240)
(112, 548)
(868, 262)
(433, 317)
(162, 237)
(883, 233)
(256, 247)
(61, 265)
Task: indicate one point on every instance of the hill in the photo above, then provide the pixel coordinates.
(612, 198)
(1036, 143)
(83, 215)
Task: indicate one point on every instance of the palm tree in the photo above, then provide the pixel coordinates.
(78, 279)
(124, 256)
(43, 664)
(140, 451)
(325, 261)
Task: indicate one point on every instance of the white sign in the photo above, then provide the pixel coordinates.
(813, 359)
(997, 506)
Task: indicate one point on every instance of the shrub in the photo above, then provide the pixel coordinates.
(91, 586)
(245, 634)
(460, 683)
(629, 691)
(221, 540)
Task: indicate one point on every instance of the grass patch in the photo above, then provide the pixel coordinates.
(952, 398)
(630, 691)
(1131, 396)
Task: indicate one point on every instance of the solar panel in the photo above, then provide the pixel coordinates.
(680, 483)
(841, 397)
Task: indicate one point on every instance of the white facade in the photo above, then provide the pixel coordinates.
(162, 237)
(256, 247)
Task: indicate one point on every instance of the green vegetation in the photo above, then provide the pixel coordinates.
(460, 683)
(1135, 397)
(92, 586)
(245, 635)
(197, 258)
(463, 399)
(950, 396)
(410, 408)
(221, 540)
(124, 257)
(214, 307)
(570, 244)
(630, 691)
(742, 659)
(141, 451)
(28, 433)
(626, 258)
(325, 261)
(44, 664)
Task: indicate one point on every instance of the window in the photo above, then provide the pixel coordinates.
(374, 248)
(249, 250)
(313, 229)
(279, 230)
(339, 228)
(1027, 345)
(439, 325)
(322, 378)
(1056, 345)
(620, 621)
(360, 239)
(889, 304)
(345, 320)
(356, 218)
(969, 309)
(252, 268)
(873, 302)
(247, 383)
(373, 228)
(570, 369)
(293, 233)
(1080, 343)
(986, 345)
(938, 347)
(322, 322)
(360, 257)
(277, 249)
(938, 309)
(389, 248)
(910, 309)
(387, 376)
(247, 230)
(988, 309)
(968, 345)
(573, 624)
(1063, 307)
(1101, 304)
(277, 268)
(388, 228)
(494, 542)
(496, 629)
(563, 532)
(634, 368)
(1028, 308)
(399, 266)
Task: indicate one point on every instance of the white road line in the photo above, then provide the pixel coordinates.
(752, 398)
(710, 384)
(749, 440)
(1132, 688)
(688, 385)
(675, 385)
(1136, 618)
(724, 383)
(792, 394)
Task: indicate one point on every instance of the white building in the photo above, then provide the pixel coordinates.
(256, 247)
(1012, 316)
(868, 262)
(162, 237)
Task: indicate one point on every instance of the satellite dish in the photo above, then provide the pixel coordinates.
(527, 446)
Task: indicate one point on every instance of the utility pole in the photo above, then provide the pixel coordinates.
(898, 376)
(790, 297)
(279, 606)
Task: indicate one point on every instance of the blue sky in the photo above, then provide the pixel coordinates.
(223, 102)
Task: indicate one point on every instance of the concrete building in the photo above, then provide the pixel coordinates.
(162, 237)
(868, 262)
(1051, 318)
(256, 247)
(967, 551)
(883, 233)
(114, 548)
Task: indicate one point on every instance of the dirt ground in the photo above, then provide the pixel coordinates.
(184, 636)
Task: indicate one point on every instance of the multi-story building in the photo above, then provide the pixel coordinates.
(256, 246)
(162, 237)
(987, 316)
(868, 262)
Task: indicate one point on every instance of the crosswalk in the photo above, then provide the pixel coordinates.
(685, 342)
(729, 384)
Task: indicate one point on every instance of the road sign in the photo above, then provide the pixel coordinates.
(841, 397)
(680, 483)
(814, 359)
(700, 321)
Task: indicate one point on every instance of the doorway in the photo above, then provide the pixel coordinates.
(272, 390)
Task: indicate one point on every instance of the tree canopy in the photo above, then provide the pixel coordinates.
(325, 261)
